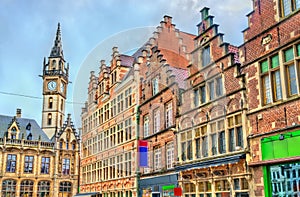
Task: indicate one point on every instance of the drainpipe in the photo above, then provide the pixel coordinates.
(137, 153)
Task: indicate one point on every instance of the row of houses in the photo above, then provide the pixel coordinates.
(219, 120)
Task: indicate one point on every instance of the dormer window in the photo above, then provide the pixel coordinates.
(13, 133)
(28, 127)
(29, 137)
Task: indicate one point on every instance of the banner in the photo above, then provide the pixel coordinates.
(143, 153)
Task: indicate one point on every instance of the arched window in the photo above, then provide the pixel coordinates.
(73, 145)
(65, 189)
(43, 189)
(49, 119)
(61, 144)
(9, 187)
(26, 188)
(50, 103)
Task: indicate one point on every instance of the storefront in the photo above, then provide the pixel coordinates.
(158, 186)
(280, 157)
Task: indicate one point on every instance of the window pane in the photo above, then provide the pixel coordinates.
(196, 97)
(266, 89)
(222, 144)
(275, 61)
(231, 140)
(286, 7)
(297, 4)
(264, 66)
(219, 90)
(277, 85)
(288, 55)
(240, 142)
(292, 83)
(211, 90)
(214, 144)
(203, 94)
(206, 56)
(204, 147)
(298, 46)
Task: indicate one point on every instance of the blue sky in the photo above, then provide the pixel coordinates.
(90, 28)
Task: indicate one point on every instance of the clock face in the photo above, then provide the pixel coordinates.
(62, 87)
(52, 85)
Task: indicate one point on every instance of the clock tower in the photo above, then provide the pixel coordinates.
(55, 82)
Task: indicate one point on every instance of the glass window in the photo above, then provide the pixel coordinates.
(64, 188)
(205, 56)
(26, 188)
(28, 164)
(9, 188)
(292, 81)
(156, 120)
(43, 189)
(289, 6)
(157, 159)
(11, 163)
(219, 86)
(169, 114)
(45, 165)
(146, 126)
(66, 167)
(170, 155)
(155, 87)
(211, 90)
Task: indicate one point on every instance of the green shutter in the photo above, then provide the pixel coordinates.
(168, 187)
(298, 49)
(264, 67)
(275, 61)
(289, 55)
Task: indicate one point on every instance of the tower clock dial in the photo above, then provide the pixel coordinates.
(52, 85)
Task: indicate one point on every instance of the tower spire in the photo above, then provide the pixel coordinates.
(57, 50)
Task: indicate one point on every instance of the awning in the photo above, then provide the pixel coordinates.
(90, 194)
(212, 162)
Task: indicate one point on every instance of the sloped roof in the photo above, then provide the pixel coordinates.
(180, 75)
(126, 60)
(174, 59)
(36, 131)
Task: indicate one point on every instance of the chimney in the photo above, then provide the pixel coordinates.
(19, 113)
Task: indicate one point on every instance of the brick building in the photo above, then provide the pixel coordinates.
(212, 130)
(43, 161)
(163, 70)
(270, 61)
(109, 133)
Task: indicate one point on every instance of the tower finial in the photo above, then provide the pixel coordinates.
(57, 48)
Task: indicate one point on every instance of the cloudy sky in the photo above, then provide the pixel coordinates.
(90, 28)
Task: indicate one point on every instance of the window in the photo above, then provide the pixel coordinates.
(291, 71)
(169, 114)
(43, 189)
(128, 164)
(11, 163)
(219, 86)
(235, 132)
(26, 188)
(146, 126)
(49, 119)
(128, 129)
(155, 87)
(211, 86)
(28, 165)
(205, 56)
(271, 81)
(61, 104)
(66, 167)
(113, 108)
(156, 121)
(9, 188)
(13, 133)
(199, 95)
(157, 159)
(50, 103)
(128, 98)
(289, 6)
(186, 146)
(45, 165)
(65, 187)
(120, 102)
(170, 155)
